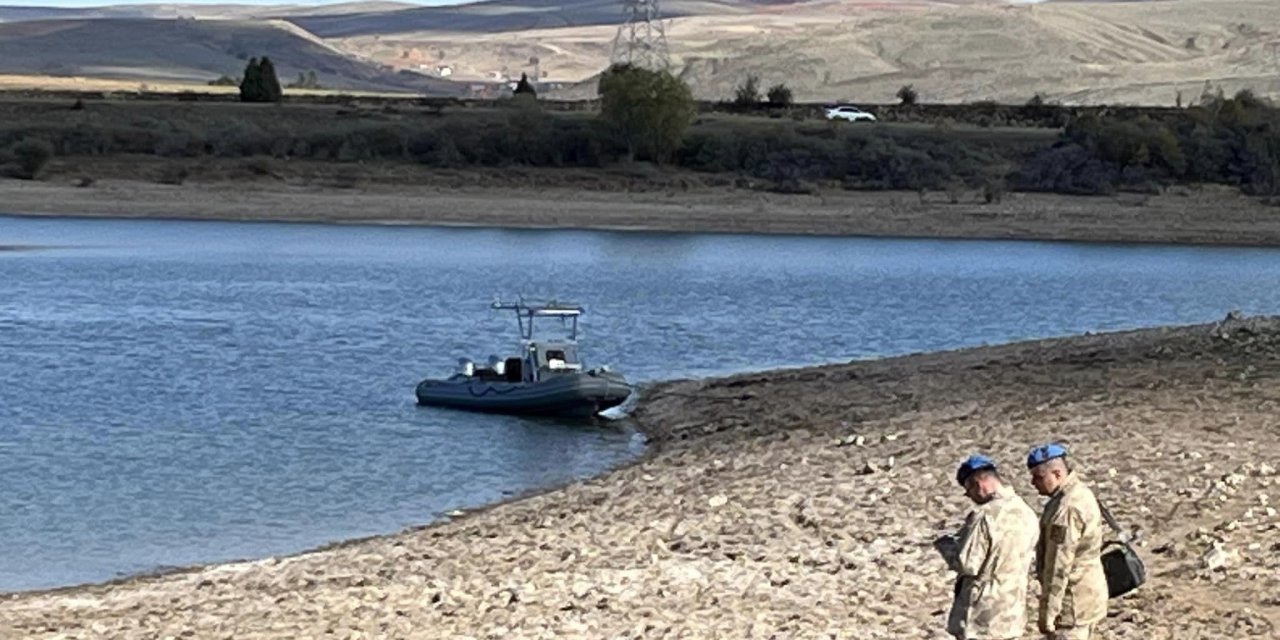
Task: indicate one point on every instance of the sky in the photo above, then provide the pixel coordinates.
(103, 3)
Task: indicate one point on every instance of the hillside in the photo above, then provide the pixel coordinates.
(204, 11)
(189, 51)
(1075, 52)
(505, 16)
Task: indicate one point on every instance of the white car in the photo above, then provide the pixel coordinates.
(849, 113)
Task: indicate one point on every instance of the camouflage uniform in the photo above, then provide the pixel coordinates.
(993, 563)
(1073, 589)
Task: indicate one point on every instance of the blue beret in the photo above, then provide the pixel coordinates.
(1045, 453)
(974, 464)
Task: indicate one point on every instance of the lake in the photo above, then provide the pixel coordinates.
(176, 392)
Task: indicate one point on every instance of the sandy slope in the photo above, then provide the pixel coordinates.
(800, 504)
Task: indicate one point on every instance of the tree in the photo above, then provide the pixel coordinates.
(908, 95)
(648, 110)
(260, 83)
(270, 81)
(305, 81)
(524, 87)
(748, 93)
(251, 83)
(779, 95)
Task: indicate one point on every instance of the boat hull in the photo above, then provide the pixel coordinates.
(579, 394)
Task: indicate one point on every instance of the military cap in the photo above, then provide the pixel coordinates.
(1045, 453)
(974, 464)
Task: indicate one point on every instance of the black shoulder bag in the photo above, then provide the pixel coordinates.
(1120, 563)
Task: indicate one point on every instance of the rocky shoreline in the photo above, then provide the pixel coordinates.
(799, 504)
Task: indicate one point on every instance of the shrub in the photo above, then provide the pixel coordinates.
(27, 158)
(748, 93)
(908, 95)
(779, 95)
(993, 190)
(524, 87)
(1067, 168)
(173, 174)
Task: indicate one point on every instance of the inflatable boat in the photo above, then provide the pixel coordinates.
(546, 377)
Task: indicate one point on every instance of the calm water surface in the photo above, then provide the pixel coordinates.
(182, 392)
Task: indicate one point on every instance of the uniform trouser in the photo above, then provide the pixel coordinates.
(1073, 633)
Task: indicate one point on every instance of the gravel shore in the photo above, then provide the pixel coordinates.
(799, 504)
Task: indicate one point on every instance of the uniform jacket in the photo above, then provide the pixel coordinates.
(993, 565)
(1073, 588)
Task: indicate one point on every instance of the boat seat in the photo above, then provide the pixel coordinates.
(514, 370)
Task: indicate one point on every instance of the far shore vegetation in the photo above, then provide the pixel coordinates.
(764, 139)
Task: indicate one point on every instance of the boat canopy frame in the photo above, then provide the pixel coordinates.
(526, 312)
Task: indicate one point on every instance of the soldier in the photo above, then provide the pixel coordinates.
(1073, 588)
(992, 557)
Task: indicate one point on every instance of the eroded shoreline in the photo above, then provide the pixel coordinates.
(1209, 216)
(799, 503)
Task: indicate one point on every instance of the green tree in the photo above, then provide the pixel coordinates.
(260, 83)
(648, 110)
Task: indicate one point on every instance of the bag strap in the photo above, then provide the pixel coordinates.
(1111, 521)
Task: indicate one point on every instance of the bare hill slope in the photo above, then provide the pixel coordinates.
(502, 16)
(227, 11)
(1134, 52)
(188, 51)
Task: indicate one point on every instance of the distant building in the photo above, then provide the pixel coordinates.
(444, 71)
